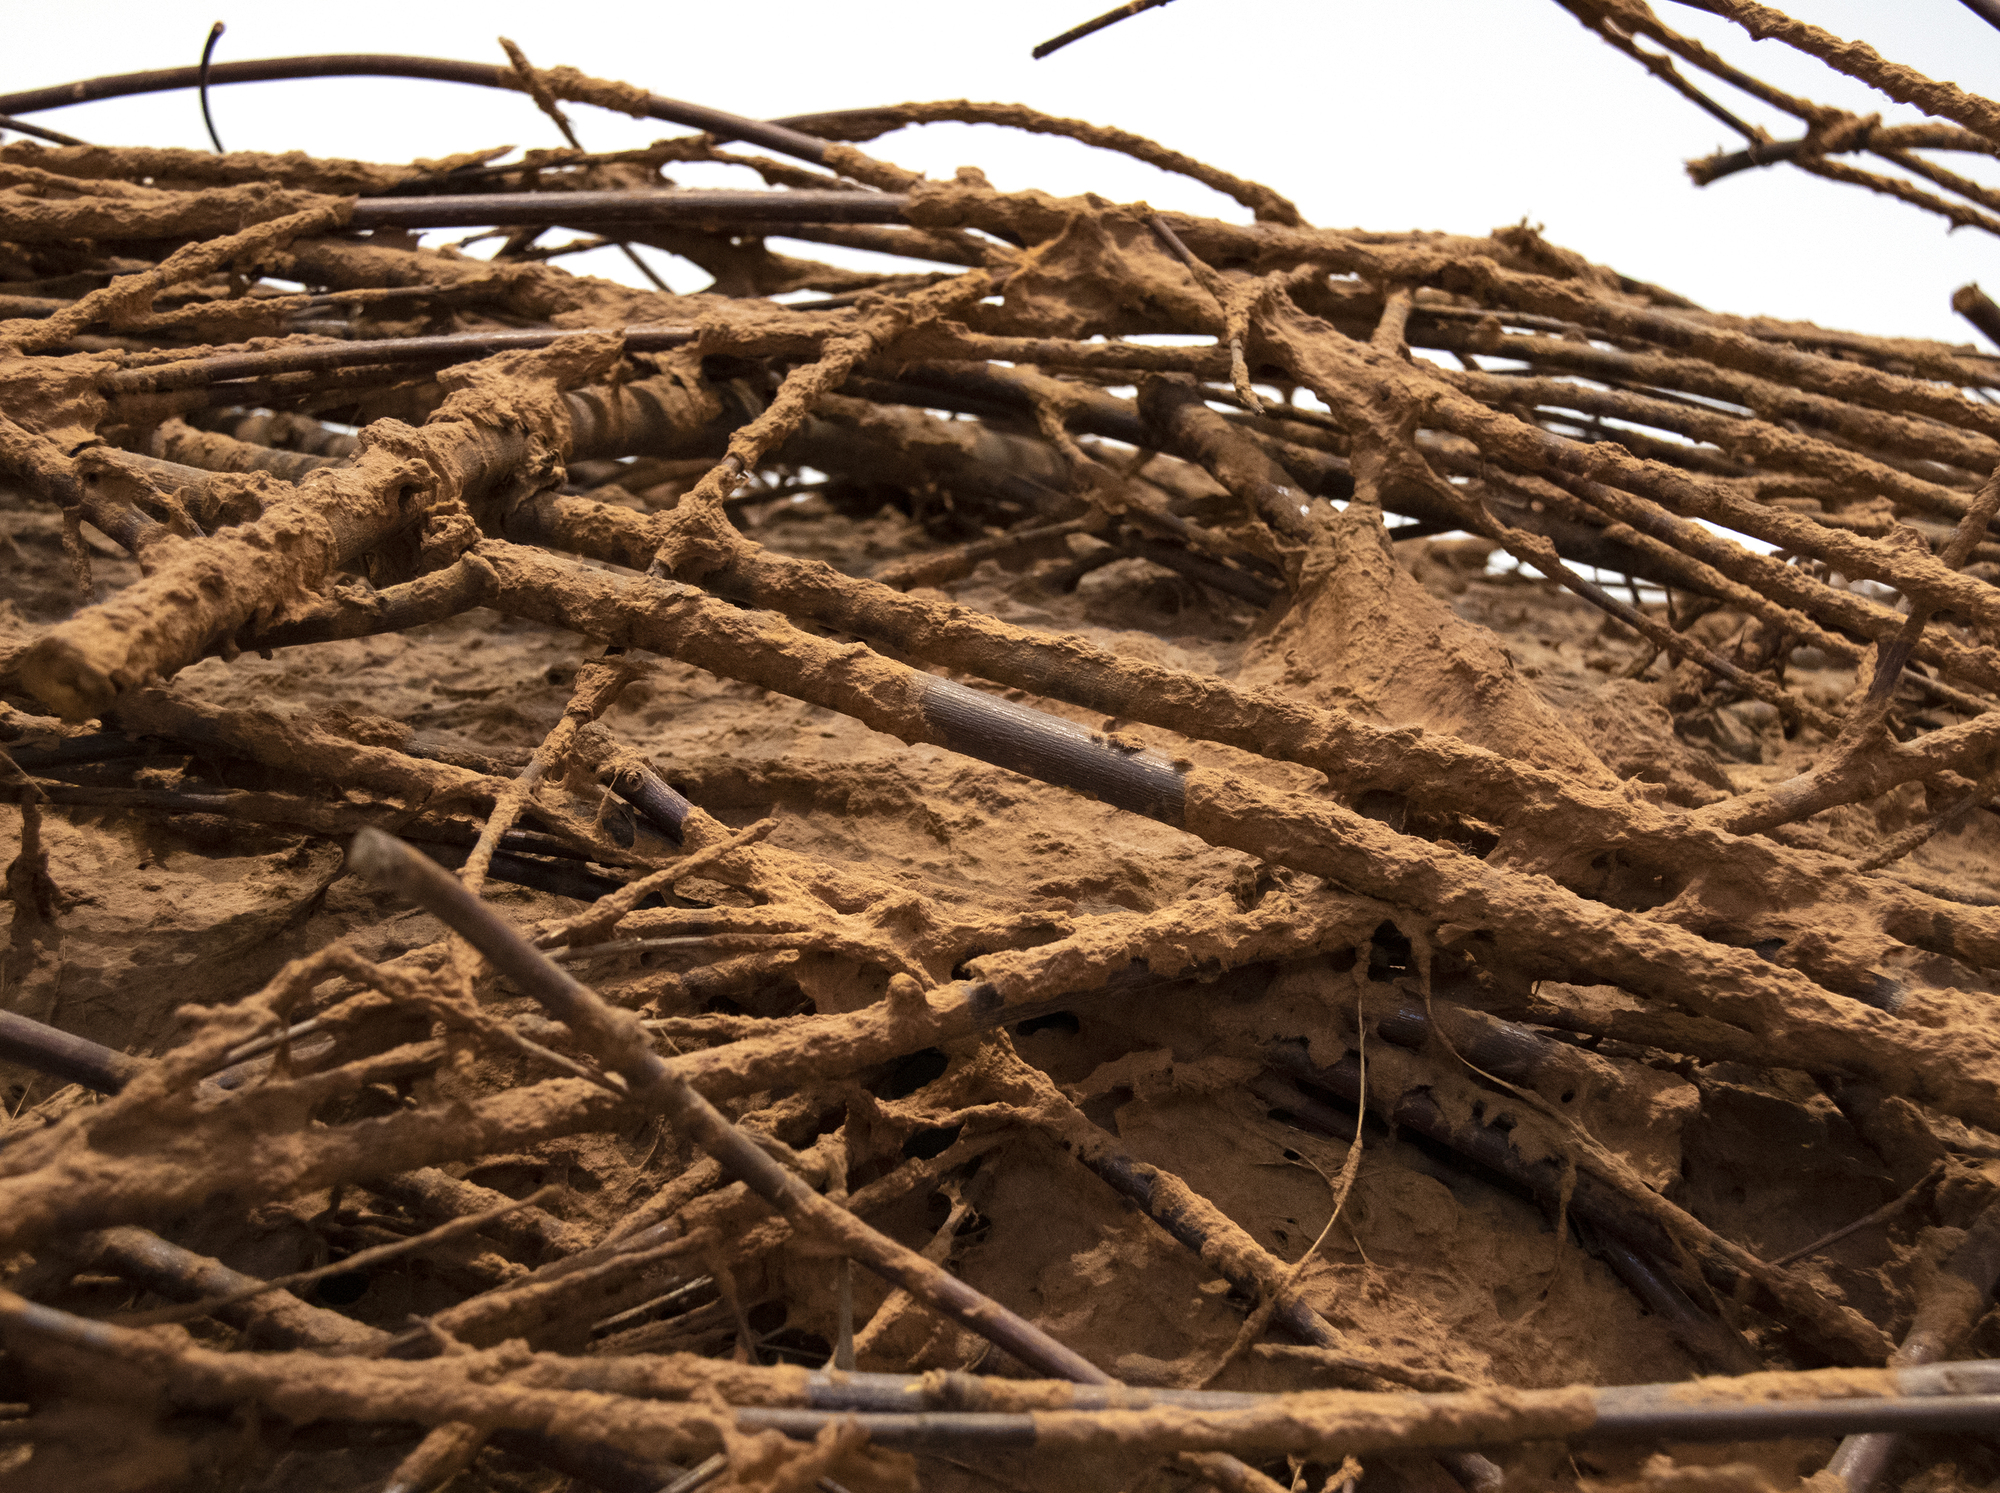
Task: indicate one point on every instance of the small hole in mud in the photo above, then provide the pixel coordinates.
(937, 1208)
(1055, 1021)
(1389, 954)
(767, 1316)
(1568, 1095)
(973, 1228)
(928, 1143)
(1102, 1109)
(911, 1074)
(343, 1289)
(514, 1178)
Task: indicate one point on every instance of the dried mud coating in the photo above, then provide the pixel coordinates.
(1116, 817)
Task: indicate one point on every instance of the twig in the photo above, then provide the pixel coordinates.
(1913, 838)
(40, 132)
(1860, 61)
(1063, 1419)
(1944, 1315)
(441, 351)
(60, 1055)
(605, 209)
(1882, 1214)
(572, 87)
(1972, 303)
(616, 1040)
(1092, 27)
(364, 1259)
(546, 101)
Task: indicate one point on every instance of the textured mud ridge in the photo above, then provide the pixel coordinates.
(1023, 906)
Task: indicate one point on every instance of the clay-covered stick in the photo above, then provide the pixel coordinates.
(245, 574)
(617, 1040)
(276, 1317)
(1945, 1314)
(1645, 955)
(461, 347)
(1065, 1419)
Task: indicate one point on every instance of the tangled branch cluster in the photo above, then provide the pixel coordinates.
(1421, 893)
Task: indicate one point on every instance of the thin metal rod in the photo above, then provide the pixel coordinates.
(204, 73)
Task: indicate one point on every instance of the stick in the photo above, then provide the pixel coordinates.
(1060, 1418)
(615, 1038)
(569, 86)
(1882, 1214)
(60, 1055)
(1944, 1316)
(601, 209)
(444, 1233)
(192, 373)
(1092, 27)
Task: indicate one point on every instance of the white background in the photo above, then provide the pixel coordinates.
(1445, 114)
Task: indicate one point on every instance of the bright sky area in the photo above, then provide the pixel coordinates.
(1445, 114)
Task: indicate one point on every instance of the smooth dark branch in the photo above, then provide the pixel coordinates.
(1972, 303)
(906, 1406)
(617, 1040)
(1094, 25)
(679, 621)
(723, 125)
(628, 209)
(632, 780)
(193, 373)
(1710, 1341)
(72, 1059)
